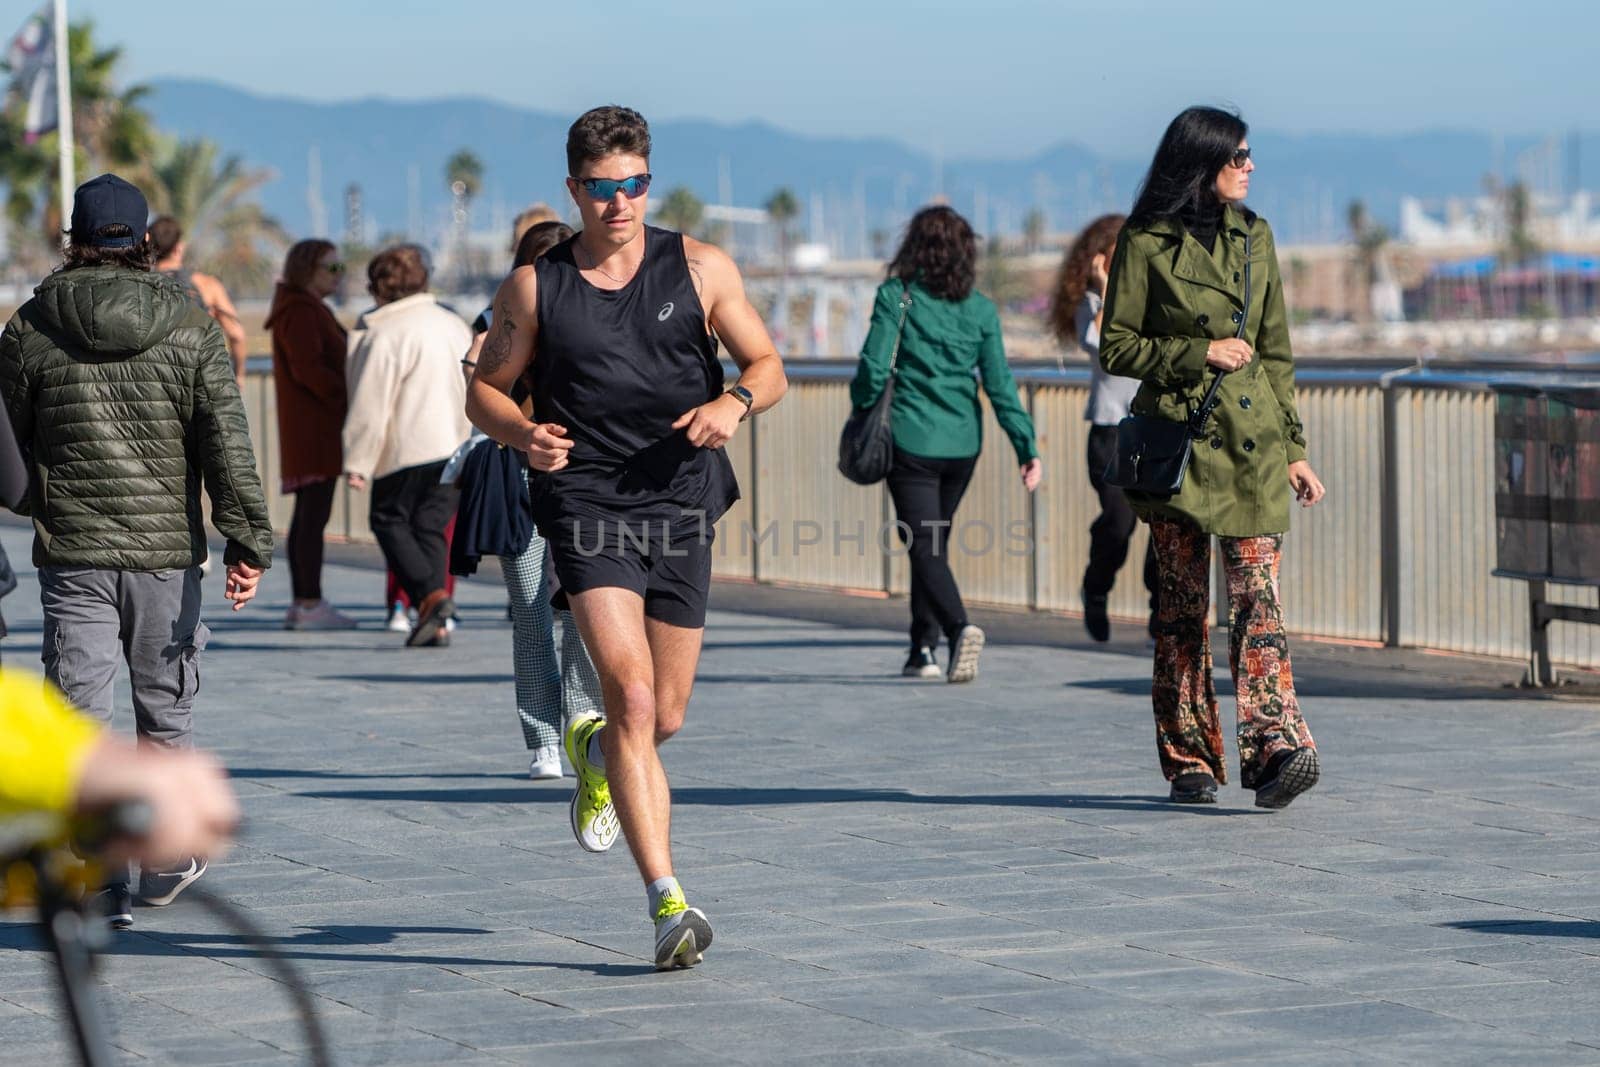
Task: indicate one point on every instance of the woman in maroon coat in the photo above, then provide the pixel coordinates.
(308, 351)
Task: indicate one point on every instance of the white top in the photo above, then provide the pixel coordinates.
(1109, 395)
(407, 393)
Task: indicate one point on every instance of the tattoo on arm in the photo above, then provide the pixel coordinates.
(699, 278)
(497, 347)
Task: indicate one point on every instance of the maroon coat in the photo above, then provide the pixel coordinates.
(308, 352)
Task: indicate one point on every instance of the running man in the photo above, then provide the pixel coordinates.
(619, 328)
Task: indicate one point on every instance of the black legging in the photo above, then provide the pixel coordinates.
(312, 506)
(926, 494)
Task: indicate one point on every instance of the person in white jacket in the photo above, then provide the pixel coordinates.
(406, 419)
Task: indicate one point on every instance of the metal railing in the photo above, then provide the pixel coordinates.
(1399, 553)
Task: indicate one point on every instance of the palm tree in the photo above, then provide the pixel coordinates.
(1520, 243)
(214, 198)
(782, 208)
(1369, 240)
(463, 173)
(111, 131)
(680, 210)
(1033, 228)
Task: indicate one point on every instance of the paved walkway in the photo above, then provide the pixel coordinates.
(898, 872)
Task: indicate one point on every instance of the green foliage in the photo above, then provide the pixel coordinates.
(111, 132)
(681, 210)
(464, 167)
(226, 231)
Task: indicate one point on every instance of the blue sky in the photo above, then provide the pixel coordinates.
(993, 77)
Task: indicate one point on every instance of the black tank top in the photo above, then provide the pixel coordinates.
(185, 277)
(617, 368)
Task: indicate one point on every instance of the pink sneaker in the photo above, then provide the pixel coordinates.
(321, 616)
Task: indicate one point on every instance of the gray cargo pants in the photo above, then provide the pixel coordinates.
(151, 619)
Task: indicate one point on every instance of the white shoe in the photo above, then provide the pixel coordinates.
(545, 765)
(450, 625)
(320, 616)
(399, 619)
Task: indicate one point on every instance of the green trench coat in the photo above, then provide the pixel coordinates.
(1167, 299)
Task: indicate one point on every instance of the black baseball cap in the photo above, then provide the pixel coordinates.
(108, 201)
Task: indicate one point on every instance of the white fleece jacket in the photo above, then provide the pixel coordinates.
(407, 393)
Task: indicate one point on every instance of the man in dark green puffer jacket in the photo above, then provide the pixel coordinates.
(122, 397)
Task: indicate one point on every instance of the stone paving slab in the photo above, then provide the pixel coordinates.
(899, 872)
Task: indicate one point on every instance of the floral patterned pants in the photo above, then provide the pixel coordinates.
(1188, 734)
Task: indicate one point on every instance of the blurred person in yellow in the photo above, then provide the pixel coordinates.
(58, 762)
(166, 241)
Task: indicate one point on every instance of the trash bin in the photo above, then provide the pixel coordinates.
(1521, 482)
(1574, 477)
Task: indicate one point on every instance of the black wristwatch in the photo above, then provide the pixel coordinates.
(745, 397)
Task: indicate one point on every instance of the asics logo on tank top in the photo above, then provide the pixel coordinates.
(665, 313)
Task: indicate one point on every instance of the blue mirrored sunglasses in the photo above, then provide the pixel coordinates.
(606, 188)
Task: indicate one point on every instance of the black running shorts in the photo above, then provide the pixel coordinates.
(667, 563)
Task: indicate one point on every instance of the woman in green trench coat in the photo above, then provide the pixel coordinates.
(1174, 303)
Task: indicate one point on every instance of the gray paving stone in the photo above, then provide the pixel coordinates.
(898, 873)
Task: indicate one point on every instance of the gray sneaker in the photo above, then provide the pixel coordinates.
(160, 888)
(964, 653)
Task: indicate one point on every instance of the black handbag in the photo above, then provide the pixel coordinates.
(866, 445)
(1153, 453)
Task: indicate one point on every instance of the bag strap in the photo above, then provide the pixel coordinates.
(1213, 397)
(900, 329)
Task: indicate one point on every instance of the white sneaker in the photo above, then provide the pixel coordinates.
(545, 765)
(450, 625)
(320, 616)
(399, 619)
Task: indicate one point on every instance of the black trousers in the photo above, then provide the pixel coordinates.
(1110, 533)
(926, 494)
(410, 510)
(312, 506)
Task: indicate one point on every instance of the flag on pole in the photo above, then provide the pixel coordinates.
(31, 59)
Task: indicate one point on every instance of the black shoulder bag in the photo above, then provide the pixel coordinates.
(1153, 453)
(866, 446)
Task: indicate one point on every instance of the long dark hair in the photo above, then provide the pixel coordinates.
(1182, 177)
(299, 264)
(540, 238)
(137, 256)
(1097, 238)
(939, 253)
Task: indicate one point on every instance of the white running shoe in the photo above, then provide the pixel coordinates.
(545, 765)
(399, 619)
(682, 933)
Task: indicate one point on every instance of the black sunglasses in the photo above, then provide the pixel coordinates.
(1241, 156)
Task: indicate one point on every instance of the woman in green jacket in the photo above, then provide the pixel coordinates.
(1174, 304)
(949, 340)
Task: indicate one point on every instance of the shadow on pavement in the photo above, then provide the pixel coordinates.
(1530, 927)
(231, 946)
(1383, 685)
(736, 797)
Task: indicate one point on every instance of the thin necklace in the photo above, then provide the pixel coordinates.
(606, 273)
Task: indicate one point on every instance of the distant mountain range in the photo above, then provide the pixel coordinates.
(395, 152)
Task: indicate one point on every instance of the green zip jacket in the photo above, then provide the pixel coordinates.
(122, 397)
(935, 412)
(1167, 299)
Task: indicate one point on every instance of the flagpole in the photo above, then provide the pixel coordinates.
(64, 114)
